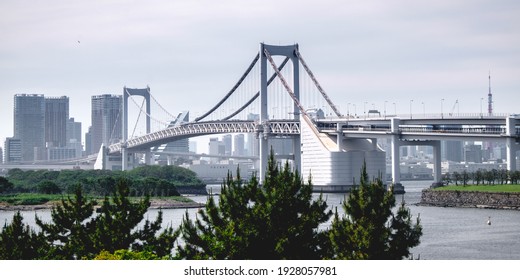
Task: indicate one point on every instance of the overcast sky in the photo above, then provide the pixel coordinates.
(191, 52)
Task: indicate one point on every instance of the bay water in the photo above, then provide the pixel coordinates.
(448, 233)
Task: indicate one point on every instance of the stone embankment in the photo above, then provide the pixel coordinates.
(493, 200)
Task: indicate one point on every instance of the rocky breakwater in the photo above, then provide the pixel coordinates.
(473, 199)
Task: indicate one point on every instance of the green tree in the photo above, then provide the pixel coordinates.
(19, 242)
(370, 229)
(48, 187)
(70, 232)
(116, 226)
(5, 185)
(76, 232)
(276, 220)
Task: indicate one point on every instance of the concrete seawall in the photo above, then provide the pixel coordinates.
(472, 199)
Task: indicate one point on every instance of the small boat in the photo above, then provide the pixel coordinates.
(489, 221)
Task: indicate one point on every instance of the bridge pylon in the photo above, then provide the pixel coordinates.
(127, 92)
(263, 134)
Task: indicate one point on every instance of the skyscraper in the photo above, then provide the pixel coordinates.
(253, 146)
(56, 118)
(29, 125)
(239, 145)
(106, 120)
(13, 150)
(228, 144)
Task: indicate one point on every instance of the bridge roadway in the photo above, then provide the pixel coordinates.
(402, 131)
(467, 128)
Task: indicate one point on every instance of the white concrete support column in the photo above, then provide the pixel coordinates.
(148, 158)
(297, 151)
(396, 172)
(437, 167)
(511, 145)
(124, 158)
(339, 136)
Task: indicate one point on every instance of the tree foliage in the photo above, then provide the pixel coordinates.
(152, 180)
(77, 232)
(370, 229)
(19, 242)
(5, 185)
(276, 220)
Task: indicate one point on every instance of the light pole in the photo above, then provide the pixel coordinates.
(442, 115)
(355, 110)
(423, 110)
(481, 99)
(385, 109)
(365, 109)
(395, 109)
(411, 100)
(348, 110)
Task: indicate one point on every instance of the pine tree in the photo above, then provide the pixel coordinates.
(370, 229)
(70, 231)
(116, 226)
(19, 242)
(276, 220)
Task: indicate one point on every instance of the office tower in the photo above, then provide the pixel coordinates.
(74, 137)
(228, 143)
(216, 147)
(56, 118)
(73, 131)
(239, 145)
(29, 125)
(253, 148)
(106, 120)
(452, 151)
(13, 150)
(473, 153)
(88, 142)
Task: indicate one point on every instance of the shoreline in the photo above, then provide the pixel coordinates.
(470, 199)
(154, 204)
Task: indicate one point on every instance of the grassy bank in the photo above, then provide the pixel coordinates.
(481, 188)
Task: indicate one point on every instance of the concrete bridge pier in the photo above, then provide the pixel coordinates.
(396, 144)
(511, 143)
(437, 166)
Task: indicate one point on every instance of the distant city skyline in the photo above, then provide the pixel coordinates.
(371, 54)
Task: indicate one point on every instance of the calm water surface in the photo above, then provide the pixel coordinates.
(448, 233)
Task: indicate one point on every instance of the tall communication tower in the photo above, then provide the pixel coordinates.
(490, 97)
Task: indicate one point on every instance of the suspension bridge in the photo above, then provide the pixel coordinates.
(279, 96)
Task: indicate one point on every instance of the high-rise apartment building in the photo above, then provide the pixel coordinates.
(106, 120)
(56, 119)
(29, 125)
(13, 150)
